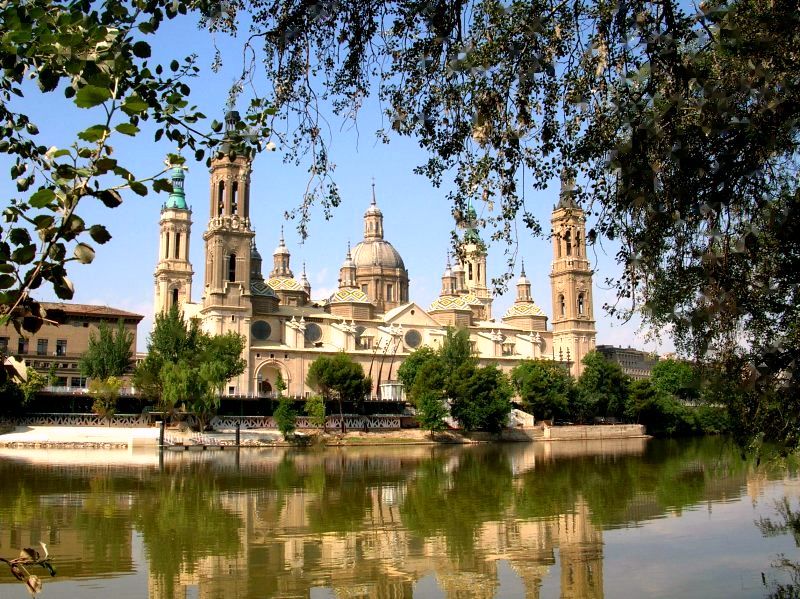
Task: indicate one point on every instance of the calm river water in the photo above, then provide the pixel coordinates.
(631, 518)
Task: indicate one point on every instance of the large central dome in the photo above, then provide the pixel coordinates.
(377, 252)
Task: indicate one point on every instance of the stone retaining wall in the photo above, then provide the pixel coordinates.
(597, 431)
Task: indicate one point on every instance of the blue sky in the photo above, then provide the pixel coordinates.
(417, 218)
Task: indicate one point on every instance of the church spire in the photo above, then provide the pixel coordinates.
(280, 261)
(373, 220)
(347, 274)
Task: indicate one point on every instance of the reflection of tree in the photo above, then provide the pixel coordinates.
(182, 520)
(456, 504)
(788, 522)
(104, 524)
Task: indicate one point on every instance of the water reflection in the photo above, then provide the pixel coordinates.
(371, 522)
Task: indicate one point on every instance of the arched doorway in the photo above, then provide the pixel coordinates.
(267, 378)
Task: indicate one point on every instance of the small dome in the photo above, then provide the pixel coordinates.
(377, 252)
(284, 284)
(524, 309)
(348, 259)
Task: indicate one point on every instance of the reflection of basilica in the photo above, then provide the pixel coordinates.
(371, 315)
(361, 522)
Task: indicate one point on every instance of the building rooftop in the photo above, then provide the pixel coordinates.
(91, 310)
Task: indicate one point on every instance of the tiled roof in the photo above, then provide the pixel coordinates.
(90, 310)
(262, 289)
(449, 302)
(284, 284)
(524, 309)
(347, 296)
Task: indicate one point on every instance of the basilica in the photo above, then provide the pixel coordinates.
(371, 316)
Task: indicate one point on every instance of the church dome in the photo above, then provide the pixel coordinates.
(377, 252)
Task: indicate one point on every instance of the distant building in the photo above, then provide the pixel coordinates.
(60, 346)
(371, 315)
(636, 363)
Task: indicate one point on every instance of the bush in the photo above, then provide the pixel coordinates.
(286, 417)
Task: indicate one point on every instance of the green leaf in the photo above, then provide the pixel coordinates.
(94, 133)
(91, 95)
(6, 281)
(99, 233)
(63, 288)
(84, 253)
(162, 185)
(138, 188)
(24, 254)
(109, 197)
(127, 129)
(42, 198)
(141, 50)
(134, 105)
(20, 237)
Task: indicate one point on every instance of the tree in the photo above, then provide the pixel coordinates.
(408, 370)
(544, 387)
(676, 127)
(109, 353)
(431, 412)
(280, 384)
(106, 393)
(480, 397)
(602, 388)
(676, 378)
(185, 366)
(100, 65)
(339, 377)
(286, 417)
(315, 409)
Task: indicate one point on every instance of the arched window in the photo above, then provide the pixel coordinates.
(166, 249)
(568, 240)
(577, 244)
(469, 269)
(177, 245)
(563, 305)
(580, 304)
(175, 297)
(232, 268)
(479, 271)
(235, 198)
(220, 198)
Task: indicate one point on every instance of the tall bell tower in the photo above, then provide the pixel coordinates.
(226, 300)
(173, 276)
(473, 263)
(571, 283)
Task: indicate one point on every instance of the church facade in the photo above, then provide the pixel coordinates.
(371, 316)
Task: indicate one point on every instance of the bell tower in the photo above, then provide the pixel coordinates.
(473, 252)
(228, 239)
(173, 276)
(571, 282)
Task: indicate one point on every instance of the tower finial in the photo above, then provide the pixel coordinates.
(282, 242)
(374, 202)
(522, 273)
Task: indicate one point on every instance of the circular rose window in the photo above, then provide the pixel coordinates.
(313, 332)
(413, 338)
(260, 330)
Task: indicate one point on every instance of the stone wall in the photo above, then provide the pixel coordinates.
(600, 431)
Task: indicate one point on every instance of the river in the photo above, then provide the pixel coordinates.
(628, 518)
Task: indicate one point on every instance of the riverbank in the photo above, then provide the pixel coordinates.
(103, 437)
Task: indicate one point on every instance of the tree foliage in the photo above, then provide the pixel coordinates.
(676, 378)
(94, 59)
(675, 126)
(185, 366)
(602, 387)
(339, 377)
(480, 397)
(286, 417)
(315, 410)
(544, 387)
(109, 352)
(431, 412)
(105, 392)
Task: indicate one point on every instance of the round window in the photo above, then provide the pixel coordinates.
(313, 332)
(413, 338)
(260, 330)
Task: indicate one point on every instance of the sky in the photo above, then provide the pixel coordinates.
(417, 217)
